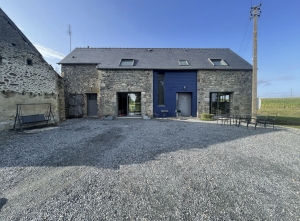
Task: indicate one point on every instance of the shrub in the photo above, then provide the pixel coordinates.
(207, 117)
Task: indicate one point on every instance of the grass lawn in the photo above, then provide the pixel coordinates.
(285, 116)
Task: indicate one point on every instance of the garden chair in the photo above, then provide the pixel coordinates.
(223, 118)
(244, 119)
(260, 120)
(155, 115)
(271, 121)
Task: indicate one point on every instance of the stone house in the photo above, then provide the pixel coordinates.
(25, 77)
(133, 82)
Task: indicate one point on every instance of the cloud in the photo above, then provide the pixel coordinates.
(286, 78)
(48, 52)
(266, 82)
(263, 81)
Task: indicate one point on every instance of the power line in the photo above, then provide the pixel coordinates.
(245, 33)
(246, 44)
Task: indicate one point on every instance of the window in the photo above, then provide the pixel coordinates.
(1, 59)
(220, 103)
(183, 63)
(161, 89)
(127, 62)
(29, 62)
(218, 62)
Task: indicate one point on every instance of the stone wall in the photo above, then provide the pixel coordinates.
(85, 79)
(81, 79)
(114, 81)
(61, 99)
(238, 82)
(22, 81)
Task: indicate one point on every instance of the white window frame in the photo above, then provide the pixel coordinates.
(223, 63)
(186, 63)
(126, 59)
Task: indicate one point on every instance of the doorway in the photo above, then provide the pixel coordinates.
(184, 103)
(129, 104)
(92, 110)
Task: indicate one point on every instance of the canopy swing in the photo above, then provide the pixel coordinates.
(33, 114)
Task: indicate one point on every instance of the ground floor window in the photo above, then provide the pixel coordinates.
(129, 104)
(220, 103)
(161, 89)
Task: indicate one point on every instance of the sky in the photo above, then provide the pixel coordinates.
(170, 24)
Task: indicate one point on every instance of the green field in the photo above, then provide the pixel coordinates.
(286, 109)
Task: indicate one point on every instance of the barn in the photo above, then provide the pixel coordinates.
(134, 82)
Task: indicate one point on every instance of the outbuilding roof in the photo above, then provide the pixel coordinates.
(18, 30)
(157, 58)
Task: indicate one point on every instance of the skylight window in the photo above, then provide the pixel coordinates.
(218, 62)
(127, 62)
(183, 63)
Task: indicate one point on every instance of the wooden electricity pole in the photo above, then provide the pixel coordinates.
(255, 12)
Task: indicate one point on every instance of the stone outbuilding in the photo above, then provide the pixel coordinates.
(133, 82)
(25, 77)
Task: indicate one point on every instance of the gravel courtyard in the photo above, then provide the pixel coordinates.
(133, 169)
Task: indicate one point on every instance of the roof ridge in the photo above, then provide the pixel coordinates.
(147, 48)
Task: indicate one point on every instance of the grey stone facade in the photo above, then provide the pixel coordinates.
(85, 79)
(25, 77)
(81, 79)
(114, 81)
(237, 82)
(221, 74)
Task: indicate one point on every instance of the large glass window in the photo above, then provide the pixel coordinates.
(219, 103)
(129, 104)
(161, 89)
(134, 103)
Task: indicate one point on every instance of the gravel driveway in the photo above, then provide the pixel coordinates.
(132, 169)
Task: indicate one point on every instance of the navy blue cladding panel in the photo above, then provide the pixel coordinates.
(174, 83)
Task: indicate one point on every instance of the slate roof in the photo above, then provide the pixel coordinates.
(156, 58)
(19, 31)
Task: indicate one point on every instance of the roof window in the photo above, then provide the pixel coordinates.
(127, 62)
(218, 62)
(183, 63)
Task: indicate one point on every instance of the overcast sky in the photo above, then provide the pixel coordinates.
(170, 24)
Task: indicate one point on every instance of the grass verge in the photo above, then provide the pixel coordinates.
(285, 116)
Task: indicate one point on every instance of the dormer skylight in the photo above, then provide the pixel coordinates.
(218, 62)
(127, 62)
(183, 63)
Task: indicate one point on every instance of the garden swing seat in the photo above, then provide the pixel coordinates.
(33, 119)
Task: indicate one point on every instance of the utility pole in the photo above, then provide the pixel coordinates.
(291, 92)
(255, 12)
(70, 34)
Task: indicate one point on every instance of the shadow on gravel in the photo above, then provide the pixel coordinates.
(109, 144)
(3, 201)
